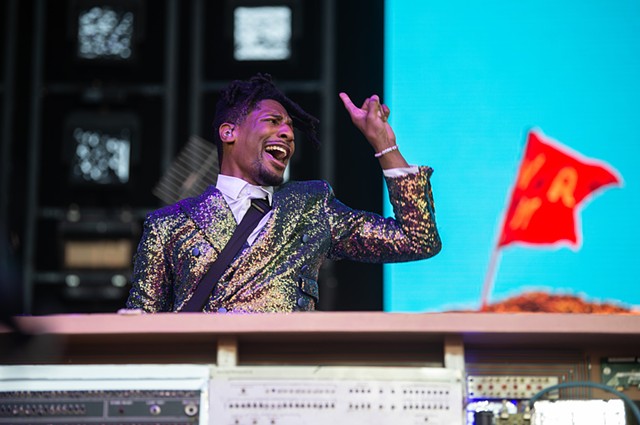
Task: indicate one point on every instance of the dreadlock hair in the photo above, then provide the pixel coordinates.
(240, 97)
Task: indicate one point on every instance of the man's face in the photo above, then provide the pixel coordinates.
(261, 145)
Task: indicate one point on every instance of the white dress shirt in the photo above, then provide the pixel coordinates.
(238, 194)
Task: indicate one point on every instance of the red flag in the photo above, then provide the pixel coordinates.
(552, 184)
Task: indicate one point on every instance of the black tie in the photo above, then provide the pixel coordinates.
(258, 209)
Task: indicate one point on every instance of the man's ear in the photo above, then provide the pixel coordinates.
(227, 132)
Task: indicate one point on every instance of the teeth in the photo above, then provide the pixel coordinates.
(274, 148)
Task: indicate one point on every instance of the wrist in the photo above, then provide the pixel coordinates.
(386, 151)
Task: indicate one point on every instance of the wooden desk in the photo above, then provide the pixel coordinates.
(312, 338)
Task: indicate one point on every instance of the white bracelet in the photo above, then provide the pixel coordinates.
(386, 151)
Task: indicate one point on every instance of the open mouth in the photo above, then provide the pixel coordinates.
(278, 152)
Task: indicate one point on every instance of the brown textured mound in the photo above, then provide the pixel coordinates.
(549, 303)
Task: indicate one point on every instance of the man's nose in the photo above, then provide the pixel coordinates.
(286, 132)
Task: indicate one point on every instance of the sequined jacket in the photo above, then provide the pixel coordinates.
(279, 272)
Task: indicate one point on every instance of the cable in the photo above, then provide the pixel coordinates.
(624, 397)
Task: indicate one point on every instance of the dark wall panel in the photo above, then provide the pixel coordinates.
(166, 92)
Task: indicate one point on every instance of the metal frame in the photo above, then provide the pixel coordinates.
(33, 160)
(328, 127)
(6, 122)
(168, 91)
(171, 85)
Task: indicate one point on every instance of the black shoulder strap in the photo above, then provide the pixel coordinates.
(259, 207)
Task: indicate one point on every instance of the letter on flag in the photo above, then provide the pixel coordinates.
(552, 184)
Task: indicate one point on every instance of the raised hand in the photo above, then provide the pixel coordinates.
(372, 120)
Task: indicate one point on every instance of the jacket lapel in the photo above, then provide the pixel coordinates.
(212, 216)
(287, 208)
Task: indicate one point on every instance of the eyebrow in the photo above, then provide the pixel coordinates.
(279, 116)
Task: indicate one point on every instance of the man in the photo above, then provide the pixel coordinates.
(277, 270)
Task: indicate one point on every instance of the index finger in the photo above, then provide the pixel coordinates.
(348, 103)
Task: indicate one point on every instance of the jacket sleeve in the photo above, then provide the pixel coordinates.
(151, 281)
(411, 235)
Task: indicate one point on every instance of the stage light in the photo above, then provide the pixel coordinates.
(106, 30)
(105, 33)
(262, 33)
(99, 147)
(101, 158)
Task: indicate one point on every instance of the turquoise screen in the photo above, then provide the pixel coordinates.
(466, 81)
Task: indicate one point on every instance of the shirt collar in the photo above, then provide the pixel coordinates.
(236, 188)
